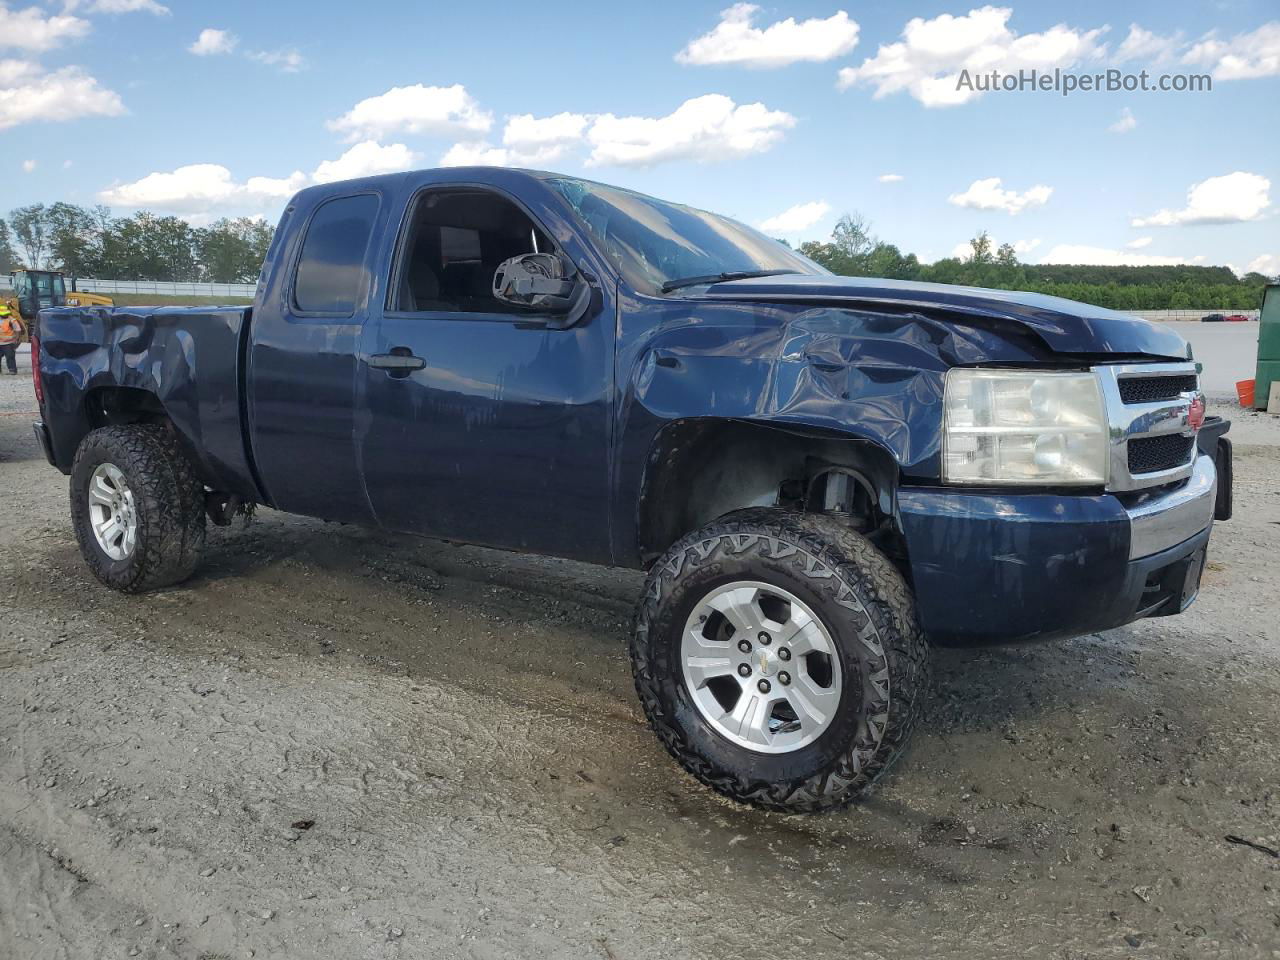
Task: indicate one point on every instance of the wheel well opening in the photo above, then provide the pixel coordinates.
(117, 406)
(700, 470)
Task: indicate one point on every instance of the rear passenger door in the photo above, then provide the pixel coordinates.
(303, 361)
(492, 427)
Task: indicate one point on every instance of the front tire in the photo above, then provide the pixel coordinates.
(137, 507)
(778, 659)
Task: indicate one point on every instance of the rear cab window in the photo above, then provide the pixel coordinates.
(331, 266)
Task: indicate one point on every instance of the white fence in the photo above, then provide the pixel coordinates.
(165, 288)
(1189, 314)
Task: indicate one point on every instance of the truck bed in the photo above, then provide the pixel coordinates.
(190, 359)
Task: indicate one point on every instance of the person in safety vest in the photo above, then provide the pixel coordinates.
(10, 334)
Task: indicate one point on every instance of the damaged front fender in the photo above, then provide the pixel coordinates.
(833, 372)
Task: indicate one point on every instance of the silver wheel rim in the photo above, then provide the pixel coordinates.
(112, 514)
(761, 667)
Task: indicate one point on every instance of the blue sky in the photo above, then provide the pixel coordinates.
(785, 114)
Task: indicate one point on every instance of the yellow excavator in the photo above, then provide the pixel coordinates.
(34, 290)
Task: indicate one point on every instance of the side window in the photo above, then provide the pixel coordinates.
(332, 261)
(452, 248)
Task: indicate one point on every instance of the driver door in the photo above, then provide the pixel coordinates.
(480, 423)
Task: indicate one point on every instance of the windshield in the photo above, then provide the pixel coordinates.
(653, 243)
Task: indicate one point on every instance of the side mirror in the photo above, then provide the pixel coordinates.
(542, 283)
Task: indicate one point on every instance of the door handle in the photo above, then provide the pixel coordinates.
(399, 362)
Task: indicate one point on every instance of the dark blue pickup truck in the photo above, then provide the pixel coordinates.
(820, 474)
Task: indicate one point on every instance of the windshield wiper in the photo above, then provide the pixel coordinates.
(719, 277)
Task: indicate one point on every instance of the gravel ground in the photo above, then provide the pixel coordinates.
(337, 743)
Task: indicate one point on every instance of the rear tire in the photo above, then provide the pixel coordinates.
(139, 473)
(784, 569)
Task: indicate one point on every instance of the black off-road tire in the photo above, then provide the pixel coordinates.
(168, 500)
(866, 606)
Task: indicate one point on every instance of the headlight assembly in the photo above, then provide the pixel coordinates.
(1024, 427)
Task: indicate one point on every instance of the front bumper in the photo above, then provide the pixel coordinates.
(999, 567)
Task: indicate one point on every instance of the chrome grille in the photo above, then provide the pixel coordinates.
(1148, 413)
(1147, 389)
(1150, 454)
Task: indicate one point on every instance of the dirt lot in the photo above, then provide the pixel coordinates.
(461, 728)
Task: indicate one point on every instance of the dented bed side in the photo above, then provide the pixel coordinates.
(188, 359)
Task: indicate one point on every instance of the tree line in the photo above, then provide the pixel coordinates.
(853, 251)
(90, 242)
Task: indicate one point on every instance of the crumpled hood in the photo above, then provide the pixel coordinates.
(1064, 325)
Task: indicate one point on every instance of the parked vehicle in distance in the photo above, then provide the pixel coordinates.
(820, 474)
(1212, 318)
(1236, 318)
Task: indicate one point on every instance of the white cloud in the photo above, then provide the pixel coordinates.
(199, 186)
(213, 42)
(1233, 198)
(367, 159)
(542, 139)
(191, 187)
(927, 62)
(736, 40)
(527, 141)
(13, 72)
(122, 6)
(1025, 246)
(1144, 45)
(28, 166)
(1101, 256)
(477, 153)
(1138, 243)
(704, 128)
(988, 195)
(275, 188)
(710, 127)
(890, 178)
(286, 59)
(416, 109)
(1126, 122)
(1246, 55)
(29, 94)
(1268, 264)
(30, 29)
(795, 220)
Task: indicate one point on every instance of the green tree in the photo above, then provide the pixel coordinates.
(232, 251)
(8, 257)
(853, 251)
(886, 260)
(74, 239)
(852, 237)
(31, 228)
(981, 247)
(147, 247)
